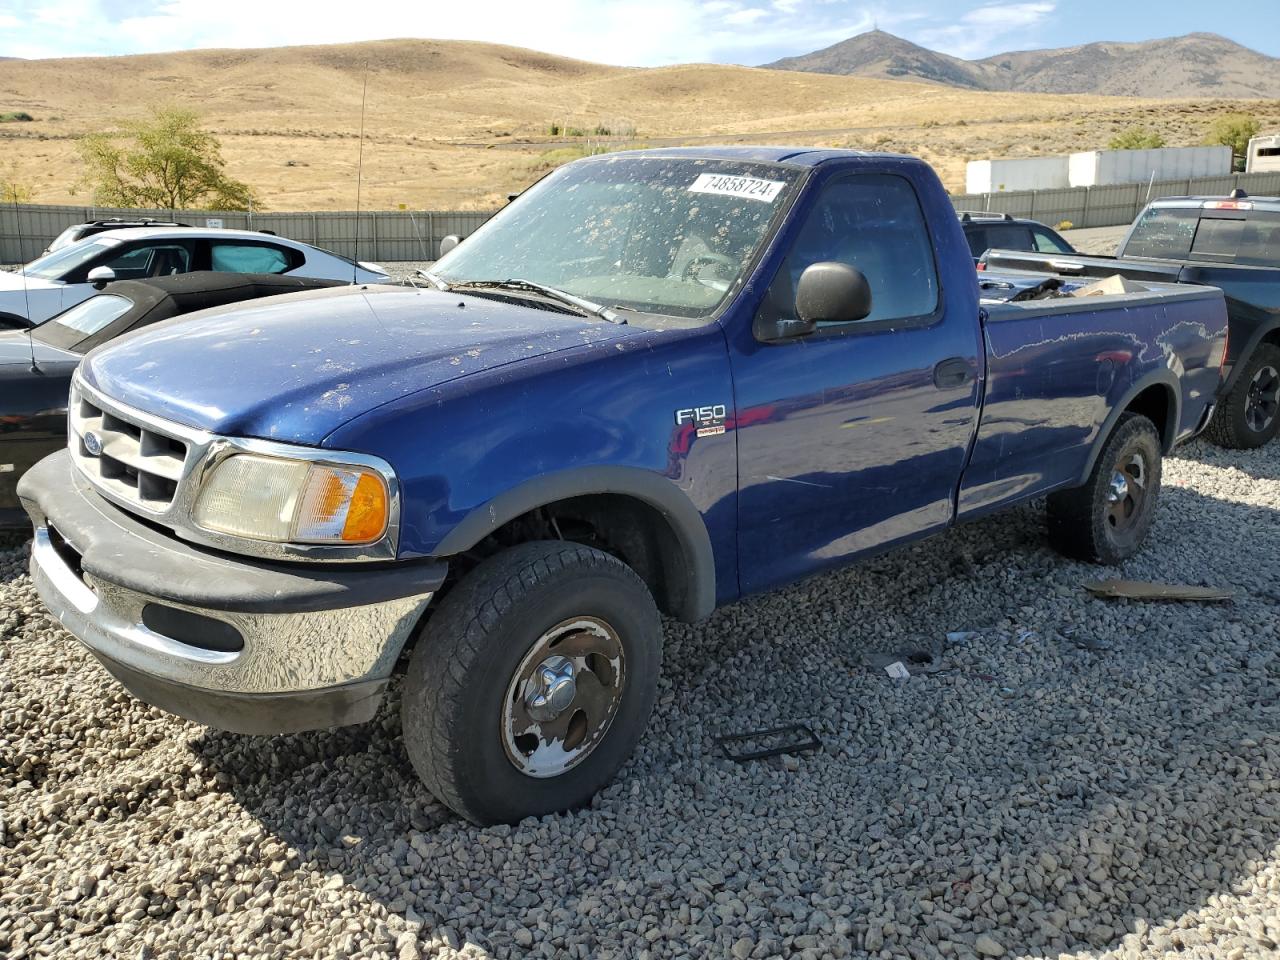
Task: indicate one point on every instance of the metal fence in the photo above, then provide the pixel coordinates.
(25, 230)
(1109, 206)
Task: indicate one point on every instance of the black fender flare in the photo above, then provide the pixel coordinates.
(651, 488)
(1168, 430)
(1259, 334)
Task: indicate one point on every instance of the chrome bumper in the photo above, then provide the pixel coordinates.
(241, 644)
(282, 653)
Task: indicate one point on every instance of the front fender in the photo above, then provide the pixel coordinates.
(650, 488)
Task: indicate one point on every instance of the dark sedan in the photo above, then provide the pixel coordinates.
(36, 368)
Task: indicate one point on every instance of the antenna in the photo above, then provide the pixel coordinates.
(364, 96)
(22, 268)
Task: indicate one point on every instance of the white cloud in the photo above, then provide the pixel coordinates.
(989, 29)
(633, 32)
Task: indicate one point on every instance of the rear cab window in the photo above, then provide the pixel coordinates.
(1243, 236)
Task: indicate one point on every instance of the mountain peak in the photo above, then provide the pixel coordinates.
(1192, 65)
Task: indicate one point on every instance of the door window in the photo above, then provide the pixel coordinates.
(1047, 242)
(1012, 237)
(247, 258)
(151, 260)
(872, 222)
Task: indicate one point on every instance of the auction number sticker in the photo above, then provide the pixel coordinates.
(750, 188)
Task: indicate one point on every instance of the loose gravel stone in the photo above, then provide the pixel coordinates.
(1081, 778)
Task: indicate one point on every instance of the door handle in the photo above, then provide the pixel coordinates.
(952, 372)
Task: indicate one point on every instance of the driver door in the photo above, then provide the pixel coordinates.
(854, 436)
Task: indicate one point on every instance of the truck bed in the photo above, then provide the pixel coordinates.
(1252, 292)
(1052, 383)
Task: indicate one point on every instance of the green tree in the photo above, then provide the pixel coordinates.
(165, 161)
(1234, 130)
(1136, 138)
(13, 189)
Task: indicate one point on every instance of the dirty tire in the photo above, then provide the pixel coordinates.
(452, 709)
(1098, 523)
(1230, 426)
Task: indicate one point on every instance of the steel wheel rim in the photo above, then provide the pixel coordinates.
(563, 697)
(1126, 492)
(1263, 401)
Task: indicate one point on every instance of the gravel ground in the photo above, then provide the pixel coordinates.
(1083, 777)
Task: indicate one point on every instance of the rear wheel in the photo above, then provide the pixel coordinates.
(533, 682)
(1249, 416)
(1107, 519)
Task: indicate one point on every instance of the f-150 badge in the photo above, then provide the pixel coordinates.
(708, 420)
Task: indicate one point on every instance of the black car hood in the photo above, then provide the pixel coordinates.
(16, 347)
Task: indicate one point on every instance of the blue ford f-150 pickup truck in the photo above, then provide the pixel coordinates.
(657, 381)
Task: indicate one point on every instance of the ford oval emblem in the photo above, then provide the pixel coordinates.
(92, 443)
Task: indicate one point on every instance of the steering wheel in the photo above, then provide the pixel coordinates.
(694, 266)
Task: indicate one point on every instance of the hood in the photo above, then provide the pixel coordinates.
(298, 370)
(16, 348)
(12, 280)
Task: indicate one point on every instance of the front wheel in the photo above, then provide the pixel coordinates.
(532, 682)
(1249, 415)
(1107, 519)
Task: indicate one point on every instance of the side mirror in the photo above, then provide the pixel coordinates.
(101, 276)
(449, 242)
(832, 292)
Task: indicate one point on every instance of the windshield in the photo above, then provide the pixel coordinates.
(83, 320)
(65, 238)
(651, 234)
(54, 266)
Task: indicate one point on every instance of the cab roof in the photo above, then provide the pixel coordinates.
(1248, 202)
(791, 156)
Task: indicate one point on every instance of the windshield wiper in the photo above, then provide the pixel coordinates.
(551, 293)
(434, 280)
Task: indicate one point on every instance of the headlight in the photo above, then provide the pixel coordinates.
(293, 501)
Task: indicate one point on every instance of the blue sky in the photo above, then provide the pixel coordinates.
(639, 32)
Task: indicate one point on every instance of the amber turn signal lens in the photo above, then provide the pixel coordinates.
(367, 514)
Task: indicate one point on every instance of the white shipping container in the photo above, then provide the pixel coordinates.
(1264, 154)
(1028, 173)
(1101, 168)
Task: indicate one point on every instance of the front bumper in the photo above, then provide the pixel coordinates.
(244, 645)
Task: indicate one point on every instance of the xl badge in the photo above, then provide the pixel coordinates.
(92, 443)
(708, 420)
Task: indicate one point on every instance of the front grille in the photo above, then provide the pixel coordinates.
(138, 463)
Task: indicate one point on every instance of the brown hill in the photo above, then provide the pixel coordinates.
(1195, 65)
(879, 54)
(456, 124)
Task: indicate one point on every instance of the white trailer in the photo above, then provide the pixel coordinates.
(1100, 168)
(1028, 173)
(1263, 155)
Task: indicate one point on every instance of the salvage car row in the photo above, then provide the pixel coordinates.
(657, 382)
